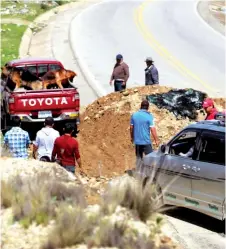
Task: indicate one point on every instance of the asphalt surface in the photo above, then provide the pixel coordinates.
(187, 52)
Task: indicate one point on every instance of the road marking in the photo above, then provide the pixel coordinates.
(148, 36)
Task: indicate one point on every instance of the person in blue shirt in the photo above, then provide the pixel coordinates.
(141, 125)
(17, 140)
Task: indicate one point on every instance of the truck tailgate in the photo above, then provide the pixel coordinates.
(44, 100)
(35, 106)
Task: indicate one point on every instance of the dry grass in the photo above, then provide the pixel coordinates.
(72, 227)
(132, 194)
(36, 199)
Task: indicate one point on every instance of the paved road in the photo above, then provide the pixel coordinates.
(187, 52)
(195, 230)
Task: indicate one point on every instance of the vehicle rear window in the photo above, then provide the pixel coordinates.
(42, 69)
(212, 149)
(32, 68)
(54, 67)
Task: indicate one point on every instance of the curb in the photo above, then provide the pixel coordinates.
(88, 76)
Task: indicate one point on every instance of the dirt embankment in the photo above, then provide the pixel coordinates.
(104, 135)
(215, 10)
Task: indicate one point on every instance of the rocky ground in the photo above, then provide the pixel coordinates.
(106, 153)
(218, 10)
(108, 218)
(104, 136)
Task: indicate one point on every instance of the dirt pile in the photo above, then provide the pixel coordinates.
(104, 136)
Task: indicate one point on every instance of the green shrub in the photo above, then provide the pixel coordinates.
(61, 2)
(44, 6)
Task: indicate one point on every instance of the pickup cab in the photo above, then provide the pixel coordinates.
(34, 106)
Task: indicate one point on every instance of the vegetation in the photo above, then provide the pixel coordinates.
(12, 33)
(37, 199)
(11, 37)
(132, 194)
(35, 9)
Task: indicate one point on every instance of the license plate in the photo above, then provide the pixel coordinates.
(44, 114)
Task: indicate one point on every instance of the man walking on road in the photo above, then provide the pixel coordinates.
(120, 74)
(17, 140)
(45, 140)
(66, 150)
(151, 72)
(142, 123)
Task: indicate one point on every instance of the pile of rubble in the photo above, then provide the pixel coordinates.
(104, 131)
(11, 167)
(14, 10)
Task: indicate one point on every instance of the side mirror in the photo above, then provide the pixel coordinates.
(163, 148)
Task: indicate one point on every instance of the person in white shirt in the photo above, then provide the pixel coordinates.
(44, 142)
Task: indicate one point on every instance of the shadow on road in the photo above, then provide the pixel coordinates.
(198, 219)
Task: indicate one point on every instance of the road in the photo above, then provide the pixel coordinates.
(187, 52)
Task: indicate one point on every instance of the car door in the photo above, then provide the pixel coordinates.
(208, 174)
(174, 177)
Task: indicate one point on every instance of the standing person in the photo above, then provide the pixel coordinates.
(17, 140)
(120, 74)
(142, 123)
(67, 151)
(45, 139)
(208, 106)
(151, 72)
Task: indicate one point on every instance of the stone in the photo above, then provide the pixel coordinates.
(125, 93)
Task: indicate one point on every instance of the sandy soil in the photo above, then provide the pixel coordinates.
(104, 135)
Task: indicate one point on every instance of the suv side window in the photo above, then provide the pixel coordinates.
(42, 69)
(53, 67)
(183, 143)
(212, 149)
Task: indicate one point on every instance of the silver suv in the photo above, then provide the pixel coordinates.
(194, 180)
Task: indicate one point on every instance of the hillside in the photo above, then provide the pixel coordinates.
(104, 137)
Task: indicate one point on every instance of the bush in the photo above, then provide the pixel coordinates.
(132, 194)
(61, 2)
(37, 198)
(72, 227)
(44, 6)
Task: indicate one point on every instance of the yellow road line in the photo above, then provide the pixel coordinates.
(162, 50)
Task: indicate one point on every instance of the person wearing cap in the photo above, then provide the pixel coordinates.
(120, 74)
(45, 139)
(151, 72)
(208, 106)
(141, 125)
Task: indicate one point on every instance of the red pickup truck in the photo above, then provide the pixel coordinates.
(34, 106)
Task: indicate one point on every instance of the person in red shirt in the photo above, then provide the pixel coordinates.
(66, 150)
(208, 106)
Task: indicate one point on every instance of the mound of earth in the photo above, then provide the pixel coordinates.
(104, 135)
